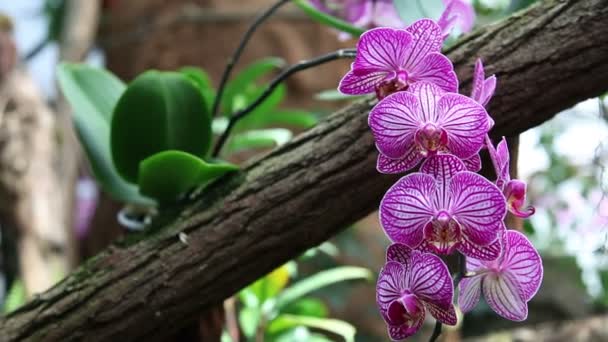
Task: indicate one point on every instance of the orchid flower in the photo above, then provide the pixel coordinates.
(410, 283)
(457, 14)
(391, 60)
(445, 208)
(507, 283)
(408, 126)
(514, 189)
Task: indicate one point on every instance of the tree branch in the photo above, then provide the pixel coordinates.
(301, 194)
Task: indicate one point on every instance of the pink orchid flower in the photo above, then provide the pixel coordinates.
(391, 60)
(410, 283)
(508, 282)
(445, 208)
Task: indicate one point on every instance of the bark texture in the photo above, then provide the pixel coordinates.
(547, 59)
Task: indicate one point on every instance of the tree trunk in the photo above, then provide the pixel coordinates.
(547, 59)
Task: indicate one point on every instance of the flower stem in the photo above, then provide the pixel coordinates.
(436, 331)
(462, 269)
(303, 65)
(239, 50)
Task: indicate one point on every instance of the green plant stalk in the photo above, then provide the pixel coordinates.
(327, 19)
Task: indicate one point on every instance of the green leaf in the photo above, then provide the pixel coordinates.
(166, 175)
(292, 118)
(259, 139)
(159, 111)
(93, 93)
(15, 297)
(327, 19)
(257, 117)
(249, 319)
(245, 82)
(307, 307)
(320, 280)
(300, 334)
(202, 80)
(338, 327)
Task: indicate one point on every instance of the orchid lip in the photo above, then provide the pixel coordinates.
(392, 85)
(431, 138)
(443, 233)
(404, 310)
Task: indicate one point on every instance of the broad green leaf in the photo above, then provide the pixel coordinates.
(338, 327)
(93, 93)
(245, 81)
(202, 81)
(159, 111)
(327, 19)
(259, 139)
(320, 280)
(166, 175)
(307, 307)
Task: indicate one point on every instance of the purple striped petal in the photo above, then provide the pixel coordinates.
(466, 123)
(394, 122)
(502, 159)
(430, 280)
(469, 291)
(391, 282)
(483, 89)
(406, 208)
(478, 206)
(437, 69)
(426, 38)
(400, 253)
(383, 49)
(442, 167)
(478, 79)
(428, 95)
(446, 316)
(505, 296)
(473, 164)
(489, 86)
(387, 165)
(362, 81)
(523, 262)
(487, 253)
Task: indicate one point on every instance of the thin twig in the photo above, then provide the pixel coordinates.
(239, 50)
(436, 331)
(303, 65)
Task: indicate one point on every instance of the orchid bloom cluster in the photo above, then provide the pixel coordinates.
(446, 207)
